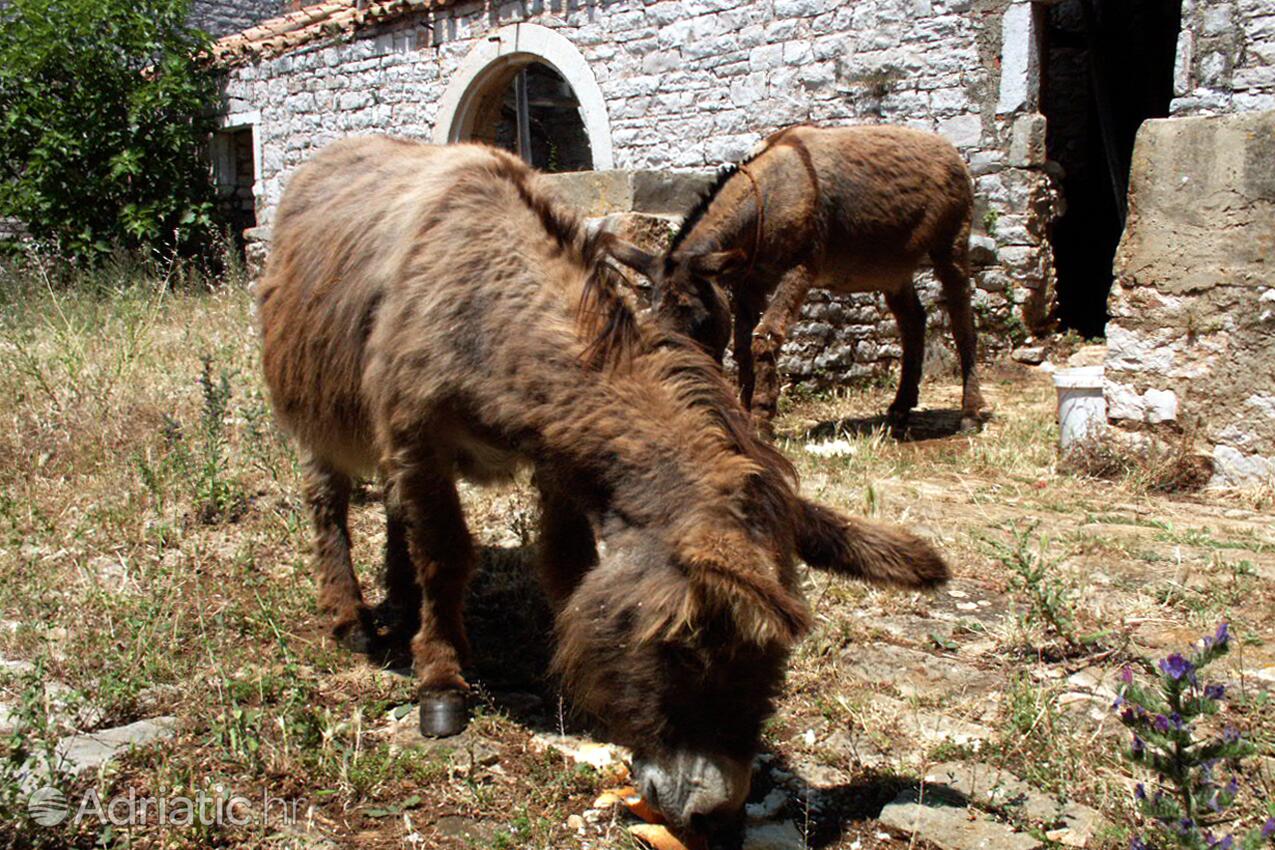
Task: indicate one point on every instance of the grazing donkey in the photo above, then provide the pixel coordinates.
(851, 209)
(427, 313)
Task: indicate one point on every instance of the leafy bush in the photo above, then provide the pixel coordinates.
(1191, 801)
(104, 114)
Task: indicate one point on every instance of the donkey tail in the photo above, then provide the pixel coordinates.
(871, 551)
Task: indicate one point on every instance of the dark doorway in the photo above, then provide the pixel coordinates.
(235, 174)
(532, 111)
(1107, 67)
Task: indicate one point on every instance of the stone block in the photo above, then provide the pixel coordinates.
(1027, 141)
(669, 193)
(593, 193)
(1018, 59)
(1187, 341)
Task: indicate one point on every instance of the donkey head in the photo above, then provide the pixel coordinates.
(680, 650)
(690, 291)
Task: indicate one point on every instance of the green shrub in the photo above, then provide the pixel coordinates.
(104, 115)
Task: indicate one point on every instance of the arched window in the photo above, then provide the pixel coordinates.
(528, 90)
(530, 110)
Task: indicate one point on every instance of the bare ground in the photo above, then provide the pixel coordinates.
(152, 562)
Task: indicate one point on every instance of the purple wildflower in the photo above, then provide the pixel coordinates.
(1222, 635)
(1137, 746)
(1268, 828)
(1140, 791)
(1215, 691)
(1126, 675)
(1230, 735)
(1161, 723)
(1226, 843)
(1176, 667)
(1138, 844)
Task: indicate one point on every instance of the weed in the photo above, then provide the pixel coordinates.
(1049, 600)
(990, 218)
(1188, 800)
(1148, 464)
(30, 760)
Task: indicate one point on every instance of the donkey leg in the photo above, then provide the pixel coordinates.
(567, 546)
(400, 613)
(327, 493)
(443, 552)
(784, 306)
(952, 269)
(746, 316)
(910, 315)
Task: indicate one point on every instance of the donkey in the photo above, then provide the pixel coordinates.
(428, 313)
(851, 209)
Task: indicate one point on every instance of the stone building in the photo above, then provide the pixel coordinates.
(1043, 99)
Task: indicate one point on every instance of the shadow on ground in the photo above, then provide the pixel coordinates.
(510, 630)
(922, 425)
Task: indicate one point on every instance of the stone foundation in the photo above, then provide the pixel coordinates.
(1191, 341)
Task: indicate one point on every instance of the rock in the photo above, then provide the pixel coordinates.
(1088, 355)
(982, 250)
(91, 750)
(1032, 355)
(1027, 141)
(774, 836)
(468, 831)
(1002, 791)
(575, 823)
(914, 673)
(932, 729)
(768, 807)
(952, 827)
(581, 750)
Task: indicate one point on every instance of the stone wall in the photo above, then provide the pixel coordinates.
(1191, 342)
(691, 84)
(1226, 57)
(220, 17)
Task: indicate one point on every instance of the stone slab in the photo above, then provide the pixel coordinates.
(952, 827)
(1070, 824)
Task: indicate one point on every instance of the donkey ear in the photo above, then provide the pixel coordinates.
(640, 260)
(719, 263)
(872, 551)
(730, 574)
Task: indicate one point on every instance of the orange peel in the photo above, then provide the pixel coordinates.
(659, 838)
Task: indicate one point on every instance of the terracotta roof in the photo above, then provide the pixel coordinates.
(319, 22)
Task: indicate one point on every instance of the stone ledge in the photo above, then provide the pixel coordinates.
(602, 193)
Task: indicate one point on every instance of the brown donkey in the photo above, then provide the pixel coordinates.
(427, 313)
(851, 209)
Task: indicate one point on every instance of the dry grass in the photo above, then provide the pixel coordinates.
(152, 559)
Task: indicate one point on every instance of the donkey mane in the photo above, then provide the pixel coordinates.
(619, 336)
(724, 174)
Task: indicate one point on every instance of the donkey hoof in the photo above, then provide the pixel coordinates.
(443, 713)
(971, 425)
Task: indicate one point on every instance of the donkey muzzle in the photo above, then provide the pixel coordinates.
(702, 792)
